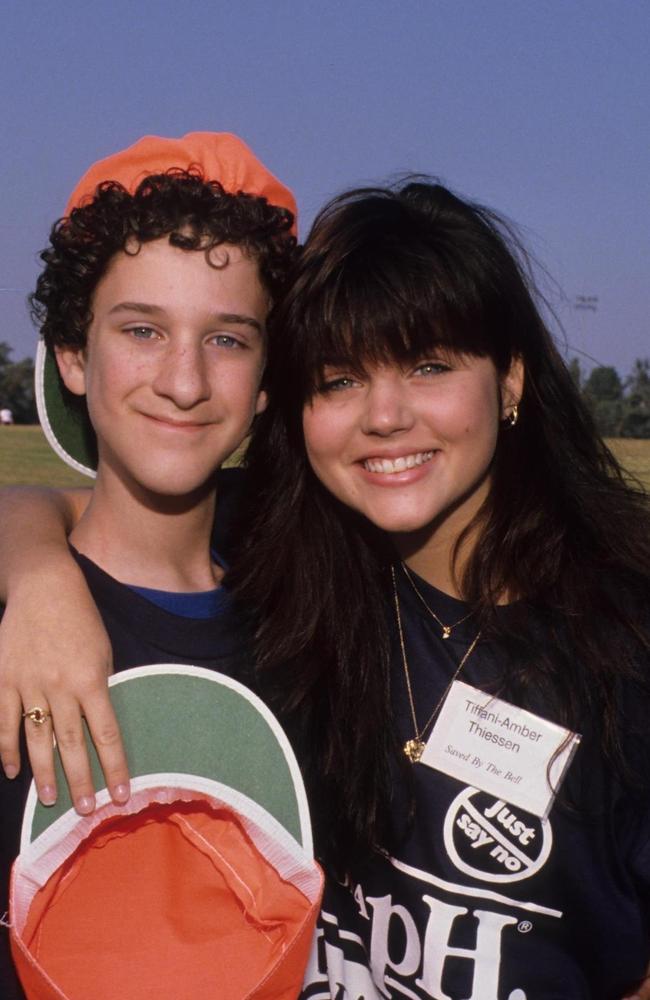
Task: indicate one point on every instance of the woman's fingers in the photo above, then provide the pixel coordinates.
(38, 736)
(68, 731)
(105, 734)
(10, 722)
(55, 657)
(64, 721)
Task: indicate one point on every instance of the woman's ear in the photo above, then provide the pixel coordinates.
(512, 388)
(262, 400)
(72, 368)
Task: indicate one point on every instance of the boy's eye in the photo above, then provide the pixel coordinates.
(226, 340)
(142, 332)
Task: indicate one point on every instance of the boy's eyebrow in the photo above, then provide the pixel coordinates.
(237, 318)
(146, 307)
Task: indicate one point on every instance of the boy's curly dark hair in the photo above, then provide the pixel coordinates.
(195, 213)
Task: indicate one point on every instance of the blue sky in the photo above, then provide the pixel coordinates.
(538, 108)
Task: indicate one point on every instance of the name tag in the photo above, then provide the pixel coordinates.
(499, 748)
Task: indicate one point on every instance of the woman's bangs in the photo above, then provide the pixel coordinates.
(364, 319)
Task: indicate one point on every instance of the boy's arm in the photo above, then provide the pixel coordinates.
(54, 651)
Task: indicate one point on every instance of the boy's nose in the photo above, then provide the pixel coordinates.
(182, 376)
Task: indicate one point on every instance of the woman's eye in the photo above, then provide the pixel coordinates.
(337, 384)
(432, 368)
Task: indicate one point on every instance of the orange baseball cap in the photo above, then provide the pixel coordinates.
(203, 885)
(220, 156)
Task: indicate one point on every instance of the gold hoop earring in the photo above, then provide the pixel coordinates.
(513, 416)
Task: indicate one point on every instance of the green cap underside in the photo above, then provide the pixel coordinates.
(181, 723)
(68, 416)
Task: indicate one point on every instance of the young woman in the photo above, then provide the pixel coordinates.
(448, 528)
(437, 541)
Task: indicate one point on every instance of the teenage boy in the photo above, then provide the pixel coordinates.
(153, 301)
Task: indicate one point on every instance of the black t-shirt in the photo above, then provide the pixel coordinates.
(484, 901)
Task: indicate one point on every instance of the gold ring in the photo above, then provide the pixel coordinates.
(37, 715)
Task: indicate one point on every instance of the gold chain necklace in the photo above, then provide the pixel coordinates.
(446, 629)
(414, 748)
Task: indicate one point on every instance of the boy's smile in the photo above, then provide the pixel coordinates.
(172, 365)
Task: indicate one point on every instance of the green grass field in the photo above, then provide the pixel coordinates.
(26, 459)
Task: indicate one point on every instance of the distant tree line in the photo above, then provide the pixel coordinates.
(17, 386)
(620, 406)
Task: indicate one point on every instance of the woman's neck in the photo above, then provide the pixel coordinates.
(434, 564)
(436, 555)
(440, 550)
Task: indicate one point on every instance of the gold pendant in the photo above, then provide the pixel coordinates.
(446, 631)
(414, 749)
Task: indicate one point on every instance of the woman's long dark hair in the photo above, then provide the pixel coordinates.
(385, 275)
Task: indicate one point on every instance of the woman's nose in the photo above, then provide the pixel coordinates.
(387, 407)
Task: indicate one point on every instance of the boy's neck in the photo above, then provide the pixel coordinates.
(162, 543)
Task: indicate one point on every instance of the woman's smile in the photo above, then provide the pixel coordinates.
(408, 446)
(389, 466)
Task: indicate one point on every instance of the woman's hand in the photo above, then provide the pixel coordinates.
(54, 652)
